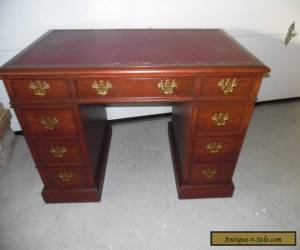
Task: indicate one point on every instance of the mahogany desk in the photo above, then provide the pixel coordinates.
(60, 85)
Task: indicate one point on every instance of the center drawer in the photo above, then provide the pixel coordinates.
(134, 88)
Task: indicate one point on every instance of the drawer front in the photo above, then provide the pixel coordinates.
(215, 149)
(211, 173)
(227, 86)
(49, 122)
(105, 88)
(220, 118)
(58, 151)
(65, 177)
(39, 89)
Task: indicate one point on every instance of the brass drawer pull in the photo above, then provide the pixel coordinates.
(48, 122)
(101, 87)
(167, 86)
(220, 118)
(66, 176)
(214, 147)
(39, 87)
(228, 85)
(58, 151)
(209, 172)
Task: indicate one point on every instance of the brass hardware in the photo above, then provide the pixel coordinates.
(228, 85)
(39, 87)
(209, 172)
(101, 87)
(168, 86)
(58, 151)
(220, 118)
(48, 122)
(66, 176)
(291, 34)
(214, 147)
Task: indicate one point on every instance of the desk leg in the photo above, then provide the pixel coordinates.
(97, 132)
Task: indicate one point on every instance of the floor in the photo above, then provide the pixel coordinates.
(140, 209)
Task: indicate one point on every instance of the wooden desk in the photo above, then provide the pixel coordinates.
(60, 85)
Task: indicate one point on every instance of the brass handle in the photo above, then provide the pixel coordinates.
(48, 122)
(214, 147)
(39, 87)
(66, 176)
(167, 86)
(58, 151)
(101, 87)
(220, 118)
(228, 85)
(209, 172)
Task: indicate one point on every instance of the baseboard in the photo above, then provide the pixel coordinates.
(139, 118)
(19, 132)
(277, 101)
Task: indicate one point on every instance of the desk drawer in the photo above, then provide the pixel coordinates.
(65, 177)
(215, 149)
(49, 122)
(131, 88)
(211, 173)
(221, 117)
(58, 151)
(227, 86)
(39, 89)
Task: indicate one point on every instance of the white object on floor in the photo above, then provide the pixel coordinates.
(7, 143)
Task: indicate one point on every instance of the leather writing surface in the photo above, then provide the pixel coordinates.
(125, 48)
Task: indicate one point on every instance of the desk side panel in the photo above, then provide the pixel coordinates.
(182, 124)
